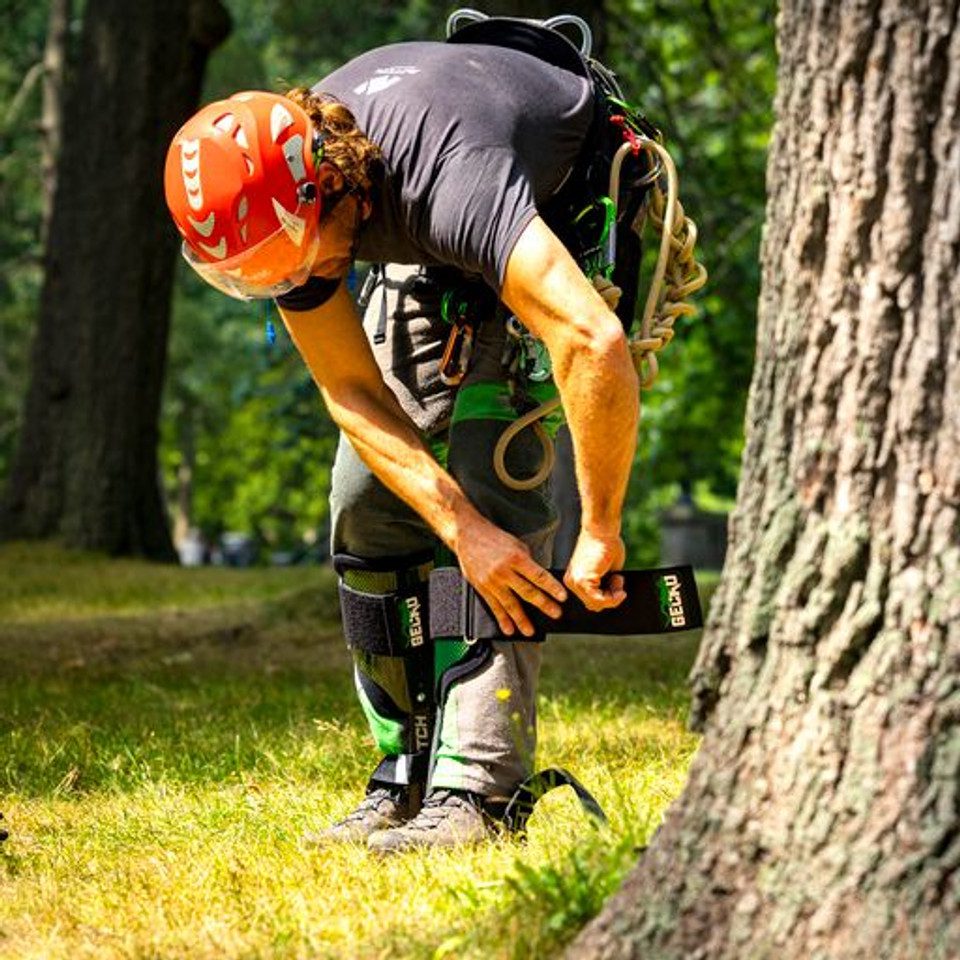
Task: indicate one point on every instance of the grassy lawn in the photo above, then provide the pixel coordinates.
(166, 735)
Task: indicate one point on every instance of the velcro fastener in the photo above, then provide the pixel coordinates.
(446, 599)
(371, 622)
(456, 609)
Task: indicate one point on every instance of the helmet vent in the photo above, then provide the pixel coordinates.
(241, 138)
(249, 165)
(293, 154)
(225, 122)
(280, 119)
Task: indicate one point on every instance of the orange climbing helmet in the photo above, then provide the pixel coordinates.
(240, 181)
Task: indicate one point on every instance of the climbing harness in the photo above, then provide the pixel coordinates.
(610, 217)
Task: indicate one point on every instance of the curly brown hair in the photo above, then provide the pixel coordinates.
(357, 158)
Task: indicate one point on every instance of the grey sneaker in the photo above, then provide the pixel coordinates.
(448, 818)
(382, 808)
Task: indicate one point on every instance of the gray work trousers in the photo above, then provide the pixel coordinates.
(486, 730)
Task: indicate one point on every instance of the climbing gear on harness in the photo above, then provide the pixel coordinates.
(604, 232)
(384, 607)
(459, 311)
(607, 289)
(677, 275)
(660, 601)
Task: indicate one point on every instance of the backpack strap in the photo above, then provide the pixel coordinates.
(528, 36)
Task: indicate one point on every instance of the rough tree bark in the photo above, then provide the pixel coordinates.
(86, 466)
(822, 813)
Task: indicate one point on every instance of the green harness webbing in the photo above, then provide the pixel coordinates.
(493, 400)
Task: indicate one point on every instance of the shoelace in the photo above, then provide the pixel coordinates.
(436, 806)
(371, 803)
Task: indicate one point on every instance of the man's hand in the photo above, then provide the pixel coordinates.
(593, 558)
(501, 570)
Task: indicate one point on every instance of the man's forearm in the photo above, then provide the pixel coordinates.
(391, 446)
(592, 367)
(601, 398)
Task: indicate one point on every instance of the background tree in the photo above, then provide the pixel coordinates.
(86, 466)
(821, 817)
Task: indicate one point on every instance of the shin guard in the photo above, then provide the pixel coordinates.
(384, 606)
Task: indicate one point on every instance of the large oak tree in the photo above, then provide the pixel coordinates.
(822, 813)
(86, 465)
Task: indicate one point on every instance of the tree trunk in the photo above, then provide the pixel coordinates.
(86, 467)
(822, 813)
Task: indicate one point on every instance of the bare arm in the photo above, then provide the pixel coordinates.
(598, 386)
(333, 345)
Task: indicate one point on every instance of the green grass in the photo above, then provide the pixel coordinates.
(166, 735)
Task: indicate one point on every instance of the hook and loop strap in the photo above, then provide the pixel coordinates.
(660, 601)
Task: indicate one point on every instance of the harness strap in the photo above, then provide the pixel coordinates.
(520, 806)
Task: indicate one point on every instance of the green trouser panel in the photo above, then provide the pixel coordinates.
(453, 659)
(385, 624)
(494, 400)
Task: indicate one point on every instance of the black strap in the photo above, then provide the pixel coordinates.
(658, 601)
(520, 806)
(310, 295)
(380, 336)
(527, 36)
(401, 770)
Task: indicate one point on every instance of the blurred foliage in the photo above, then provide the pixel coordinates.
(23, 25)
(245, 417)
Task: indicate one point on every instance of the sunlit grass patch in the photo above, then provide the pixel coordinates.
(45, 583)
(156, 794)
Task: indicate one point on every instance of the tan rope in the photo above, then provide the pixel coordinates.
(531, 418)
(676, 276)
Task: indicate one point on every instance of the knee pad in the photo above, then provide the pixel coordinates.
(384, 603)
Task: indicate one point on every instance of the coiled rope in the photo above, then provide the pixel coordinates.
(676, 276)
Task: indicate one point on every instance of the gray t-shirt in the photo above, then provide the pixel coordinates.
(474, 139)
